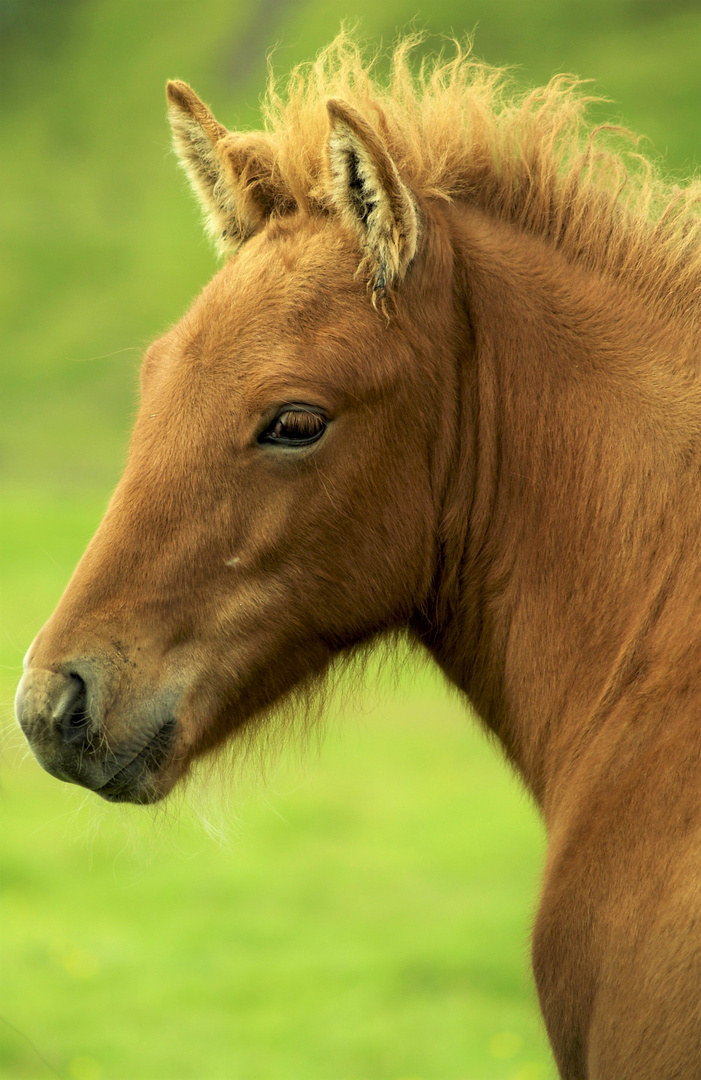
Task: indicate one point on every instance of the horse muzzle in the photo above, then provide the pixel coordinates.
(66, 725)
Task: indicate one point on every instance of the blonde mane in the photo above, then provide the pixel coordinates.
(458, 131)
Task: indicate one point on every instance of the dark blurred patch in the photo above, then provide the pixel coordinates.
(34, 22)
(483, 973)
(432, 978)
(244, 55)
(662, 9)
(18, 877)
(31, 31)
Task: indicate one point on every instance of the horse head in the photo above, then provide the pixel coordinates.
(280, 500)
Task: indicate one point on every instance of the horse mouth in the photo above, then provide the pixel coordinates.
(134, 782)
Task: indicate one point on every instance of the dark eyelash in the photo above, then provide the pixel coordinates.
(294, 427)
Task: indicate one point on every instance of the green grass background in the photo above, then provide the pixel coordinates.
(366, 915)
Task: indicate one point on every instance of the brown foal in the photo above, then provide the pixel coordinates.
(449, 384)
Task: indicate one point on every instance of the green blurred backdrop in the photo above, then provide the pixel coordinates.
(366, 915)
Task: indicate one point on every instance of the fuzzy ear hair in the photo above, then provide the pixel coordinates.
(233, 174)
(370, 195)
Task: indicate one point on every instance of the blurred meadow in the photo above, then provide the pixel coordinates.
(365, 914)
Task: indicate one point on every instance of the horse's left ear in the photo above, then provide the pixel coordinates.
(370, 195)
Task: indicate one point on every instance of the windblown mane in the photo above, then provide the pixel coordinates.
(457, 131)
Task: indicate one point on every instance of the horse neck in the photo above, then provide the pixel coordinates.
(569, 534)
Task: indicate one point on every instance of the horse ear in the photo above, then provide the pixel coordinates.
(232, 174)
(370, 195)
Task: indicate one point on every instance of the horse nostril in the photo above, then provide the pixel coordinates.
(71, 714)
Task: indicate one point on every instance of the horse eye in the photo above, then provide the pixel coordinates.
(294, 427)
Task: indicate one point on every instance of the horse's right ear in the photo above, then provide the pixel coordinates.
(370, 195)
(232, 174)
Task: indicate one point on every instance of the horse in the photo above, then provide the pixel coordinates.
(445, 386)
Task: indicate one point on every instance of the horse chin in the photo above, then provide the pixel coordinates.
(149, 776)
(140, 792)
